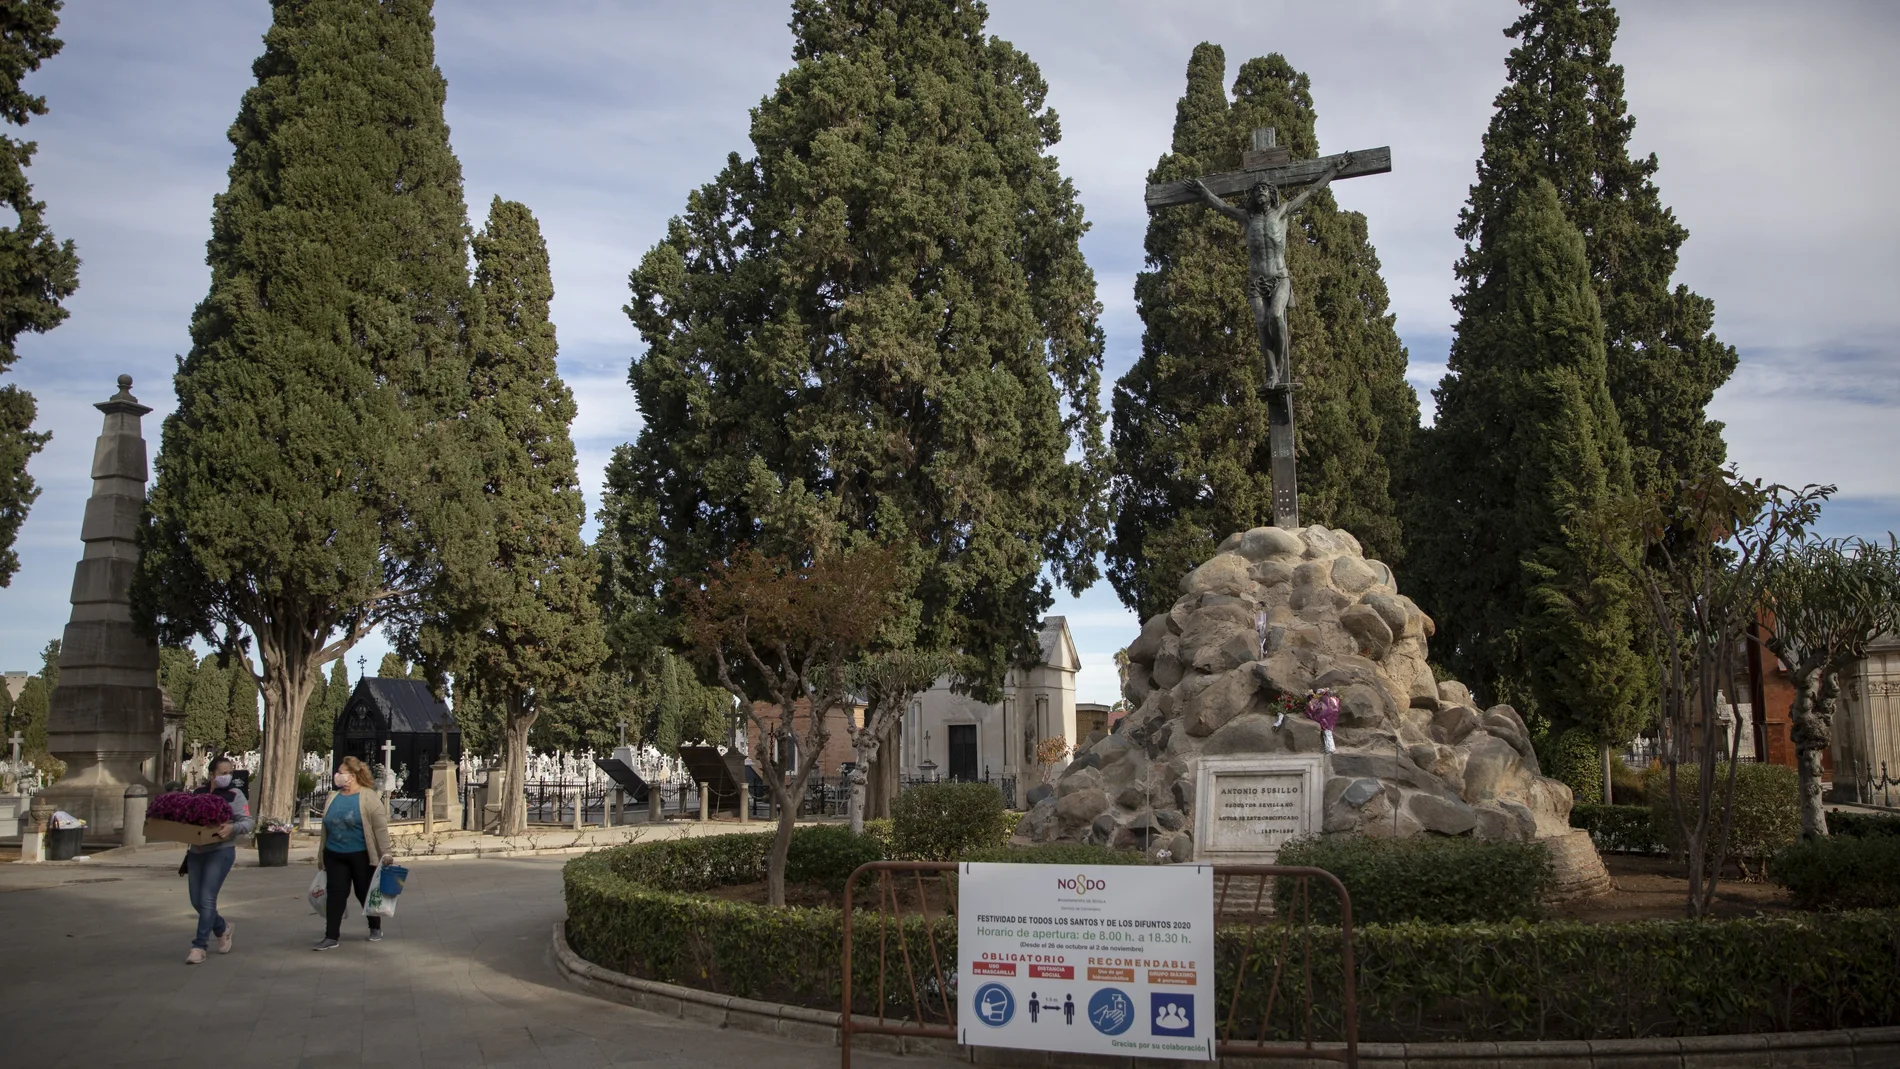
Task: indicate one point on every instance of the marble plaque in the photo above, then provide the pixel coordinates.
(1246, 806)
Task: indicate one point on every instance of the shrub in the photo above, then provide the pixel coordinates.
(1011, 818)
(826, 856)
(1862, 825)
(1577, 762)
(1626, 784)
(1425, 878)
(1620, 829)
(1058, 854)
(879, 830)
(1766, 816)
(944, 821)
(1841, 872)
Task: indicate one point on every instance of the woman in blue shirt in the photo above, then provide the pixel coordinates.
(355, 830)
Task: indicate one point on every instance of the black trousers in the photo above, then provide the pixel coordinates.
(347, 872)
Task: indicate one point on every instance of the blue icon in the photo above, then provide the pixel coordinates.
(1173, 1015)
(1111, 1012)
(995, 1005)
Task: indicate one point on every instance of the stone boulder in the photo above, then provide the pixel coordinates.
(1272, 616)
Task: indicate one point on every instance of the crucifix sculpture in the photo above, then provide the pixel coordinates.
(1265, 171)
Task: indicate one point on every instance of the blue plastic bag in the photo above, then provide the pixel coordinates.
(392, 879)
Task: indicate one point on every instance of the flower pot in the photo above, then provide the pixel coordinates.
(62, 844)
(273, 849)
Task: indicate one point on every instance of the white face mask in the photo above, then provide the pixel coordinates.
(344, 779)
(221, 781)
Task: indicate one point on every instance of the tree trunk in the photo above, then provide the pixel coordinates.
(1812, 729)
(884, 772)
(514, 798)
(865, 743)
(286, 686)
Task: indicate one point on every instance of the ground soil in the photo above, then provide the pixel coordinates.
(1657, 888)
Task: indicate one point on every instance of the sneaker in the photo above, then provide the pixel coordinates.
(224, 941)
(196, 956)
(322, 944)
(375, 935)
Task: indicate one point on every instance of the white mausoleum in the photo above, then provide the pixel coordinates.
(965, 739)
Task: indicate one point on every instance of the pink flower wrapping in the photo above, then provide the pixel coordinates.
(1322, 708)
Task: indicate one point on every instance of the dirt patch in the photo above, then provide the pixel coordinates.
(1657, 888)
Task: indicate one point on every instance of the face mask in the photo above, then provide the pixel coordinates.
(344, 779)
(221, 782)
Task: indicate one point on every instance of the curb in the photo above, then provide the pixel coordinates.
(1862, 1048)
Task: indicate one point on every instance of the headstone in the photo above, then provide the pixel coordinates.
(106, 717)
(1248, 806)
(445, 792)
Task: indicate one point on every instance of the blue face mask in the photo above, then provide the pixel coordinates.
(221, 782)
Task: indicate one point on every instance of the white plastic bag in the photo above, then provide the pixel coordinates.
(378, 904)
(320, 894)
(64, 821)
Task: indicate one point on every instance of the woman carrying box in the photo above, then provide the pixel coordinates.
(355, 830)
(207, 865)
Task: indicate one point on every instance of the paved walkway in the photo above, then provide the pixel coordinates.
(92, 973)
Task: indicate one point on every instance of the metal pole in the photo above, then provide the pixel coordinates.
(134, 830)
(705, 801)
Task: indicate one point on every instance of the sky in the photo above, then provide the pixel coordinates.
(1772, 123)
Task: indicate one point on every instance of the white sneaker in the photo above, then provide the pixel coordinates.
(196, 957)
(224, 941)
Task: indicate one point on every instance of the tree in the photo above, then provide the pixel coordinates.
(1561, 117)
(524, 620)
(1532, 607)
(208, 705)
(781, 637)
(1190, 420)
(314, 475)
(887, 681)
(1825, 600)
(37, 271)
(325, 705)
(29, 716)
(177, 666)
(678, 708)
(880, 323)
(1700, 555)
(6, 717)
(393, 666)
(240, 724)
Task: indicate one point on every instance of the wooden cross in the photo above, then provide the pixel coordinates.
(1272, 163)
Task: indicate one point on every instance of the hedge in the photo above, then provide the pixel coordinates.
(631, 909)
(1618, 829)
(944, 821)
(1766, 815)
(1853, 825)
(1425, 878)
(1841, 872)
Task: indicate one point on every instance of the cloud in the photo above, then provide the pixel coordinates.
(1770, 124)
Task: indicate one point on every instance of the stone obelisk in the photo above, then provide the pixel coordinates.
(107, 714)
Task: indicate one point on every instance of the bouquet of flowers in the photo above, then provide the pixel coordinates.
(185, 807)
(1322, 708)
(186, 817)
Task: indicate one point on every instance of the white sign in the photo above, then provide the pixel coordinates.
(1092, 959)
(1246, 808)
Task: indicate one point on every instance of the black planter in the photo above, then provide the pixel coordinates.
(63, 844)
(273, 849)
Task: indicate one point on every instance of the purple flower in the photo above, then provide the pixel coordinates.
(187, 807)
(1322, 708)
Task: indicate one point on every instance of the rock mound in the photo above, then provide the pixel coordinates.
(1208, 677)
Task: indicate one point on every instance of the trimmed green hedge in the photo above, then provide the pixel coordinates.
(1618, 829)
(1853, 825)
(944, 821)
(1417, 982)
(1058, 854)
(826, 855)
(1841, 872)
(1424, 878)
(1766, 817)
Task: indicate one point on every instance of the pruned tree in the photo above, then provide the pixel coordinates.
(1824, 601)
(1702, 556)
(887, 681)
(781, 637)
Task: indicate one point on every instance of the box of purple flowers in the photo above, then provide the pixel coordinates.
(186, 817)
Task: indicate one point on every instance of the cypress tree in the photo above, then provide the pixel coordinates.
(240, 723)
(1561, 117)
(6, 719)
(880, 326)
(176, 667)
(526, 623)
(37, 271)
(29, 716)
(208, 704)
(1190, 420)
(1527, 442)
(311, 470)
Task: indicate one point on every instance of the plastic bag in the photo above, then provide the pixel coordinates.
(391, 880)
(64, 821)
(378, 904)
(320, 894)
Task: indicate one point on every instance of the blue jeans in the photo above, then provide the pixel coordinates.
(204, 875)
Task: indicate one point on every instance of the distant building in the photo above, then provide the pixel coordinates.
(1094, 718)
(1866, 749)
(404, 713)
(952, 736)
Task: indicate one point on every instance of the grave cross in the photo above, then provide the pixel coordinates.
(623, 732)
(389, 756)
(1265, 171)
(16, 740)
(442, 729)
